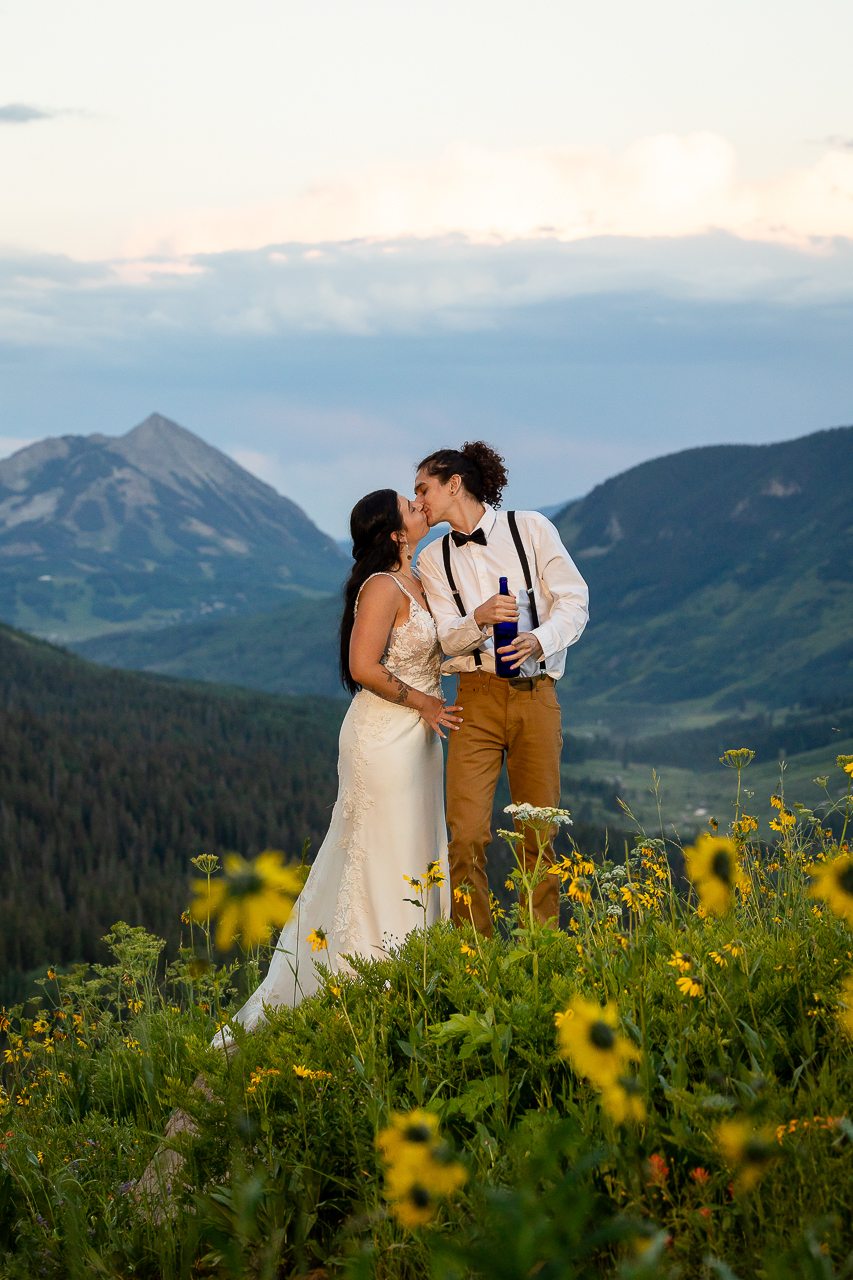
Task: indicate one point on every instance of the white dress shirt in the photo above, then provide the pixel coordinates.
(562, 596)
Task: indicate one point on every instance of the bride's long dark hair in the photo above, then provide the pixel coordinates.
(374, 521)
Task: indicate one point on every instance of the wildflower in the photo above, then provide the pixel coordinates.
(414, 882)
(249, 899)
(657, 1171)
(305, 1073)
(464, 893)
(588, 1037)
(467, 951)
(746, 1149)
(185, 917)
(700, 1175)
(713, 865)
(533, 816)
(317, 939)
(737, 759)
(509, 883)
(689, 985)
(336, 991)
(434, 875)
(622, 1101)
(681, 961)
(51, 973)
(719, 959)
(744, 825)
(833, 882)
(495, 908)
(579, 888)
(631, 897)
(419, 1170)
(845, 763)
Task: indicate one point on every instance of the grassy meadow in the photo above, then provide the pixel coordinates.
(660, 1089)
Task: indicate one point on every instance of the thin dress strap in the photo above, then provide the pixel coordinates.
(382, 574)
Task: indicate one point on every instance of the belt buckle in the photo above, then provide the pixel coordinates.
(522, 682)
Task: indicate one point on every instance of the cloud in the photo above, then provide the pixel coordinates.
(664, 185)
(406, 286)
(19, 113)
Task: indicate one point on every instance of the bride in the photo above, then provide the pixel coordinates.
(388, 820)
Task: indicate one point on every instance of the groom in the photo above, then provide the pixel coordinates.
(518, 718)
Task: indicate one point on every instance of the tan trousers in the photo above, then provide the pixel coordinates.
(524, 725)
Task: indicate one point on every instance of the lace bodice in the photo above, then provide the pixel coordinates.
(413, 651)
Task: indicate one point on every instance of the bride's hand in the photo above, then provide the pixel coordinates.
(437, 714)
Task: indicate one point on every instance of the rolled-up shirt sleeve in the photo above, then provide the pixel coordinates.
(458, 636)
(569, 593)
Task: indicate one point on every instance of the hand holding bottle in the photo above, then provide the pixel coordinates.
(499, 608)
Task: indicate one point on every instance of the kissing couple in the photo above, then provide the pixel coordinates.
(402, 628)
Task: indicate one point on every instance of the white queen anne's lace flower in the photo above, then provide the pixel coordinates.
(530, 813)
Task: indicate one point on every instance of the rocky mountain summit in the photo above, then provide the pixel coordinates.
(100, 533)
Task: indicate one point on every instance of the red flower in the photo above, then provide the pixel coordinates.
(706, 1213)
(700, 1175)
(658, 1171)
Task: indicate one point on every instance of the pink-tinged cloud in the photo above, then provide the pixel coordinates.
(659, 186)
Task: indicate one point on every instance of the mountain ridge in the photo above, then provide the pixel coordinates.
(720, 576)
(99, 533)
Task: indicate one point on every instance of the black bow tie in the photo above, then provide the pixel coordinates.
(462, 538)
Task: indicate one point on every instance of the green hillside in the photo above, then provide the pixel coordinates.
(290, 649)
(722, 574)
(110, 782)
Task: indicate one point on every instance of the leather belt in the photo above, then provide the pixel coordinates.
(528, 683)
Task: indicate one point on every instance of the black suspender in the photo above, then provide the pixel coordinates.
(445, 549)
(525, 567)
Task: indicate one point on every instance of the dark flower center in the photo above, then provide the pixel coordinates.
(245, 884)
(417, 1133)
(845, 880)
(419, 1197)
(602, 1035)
(722, 867)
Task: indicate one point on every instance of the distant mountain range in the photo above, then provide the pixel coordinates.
(100, 533)
(719, 577)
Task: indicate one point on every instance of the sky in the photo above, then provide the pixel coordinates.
(330, 238)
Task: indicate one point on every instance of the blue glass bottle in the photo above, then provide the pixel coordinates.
(505, 633)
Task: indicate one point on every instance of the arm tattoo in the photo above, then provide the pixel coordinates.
(402, 690)
(398, 691)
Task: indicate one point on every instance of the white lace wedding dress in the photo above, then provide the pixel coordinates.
(387, 823)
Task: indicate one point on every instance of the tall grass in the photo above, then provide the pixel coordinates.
(280, 1174)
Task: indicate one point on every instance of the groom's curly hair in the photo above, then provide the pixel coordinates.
(372, 525)
(478, 465)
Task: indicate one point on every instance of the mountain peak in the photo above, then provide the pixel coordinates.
(166, 451)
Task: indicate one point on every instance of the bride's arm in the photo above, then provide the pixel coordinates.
(379, 605)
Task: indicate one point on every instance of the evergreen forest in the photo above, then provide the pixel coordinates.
(111, 782)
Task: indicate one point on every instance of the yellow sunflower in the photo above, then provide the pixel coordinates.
(623, 1101)
(249, 899)
(833, 884)
(747, 1150)
(588, 1036)
(713, 866)
(419, 1169)
(682, 961)
(579, 888)
(317, 939)
(689, 985)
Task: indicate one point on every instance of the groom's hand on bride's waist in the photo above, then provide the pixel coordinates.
(524, 646)
(497, 609)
